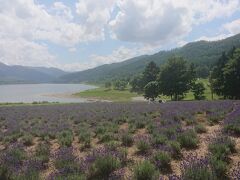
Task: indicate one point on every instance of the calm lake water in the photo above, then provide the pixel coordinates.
(29, 93)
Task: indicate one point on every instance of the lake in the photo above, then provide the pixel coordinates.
(29, 93)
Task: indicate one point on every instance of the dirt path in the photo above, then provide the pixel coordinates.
(202, 150)
(32, 149)
(2, 147)
(123, 127)
(54, 146)
(77, 146)
(204, 141)
(235, 158)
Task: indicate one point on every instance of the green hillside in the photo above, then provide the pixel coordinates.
(201, 53)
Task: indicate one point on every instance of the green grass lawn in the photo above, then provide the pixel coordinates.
(105, 94)
(189, 96)
(102, 93)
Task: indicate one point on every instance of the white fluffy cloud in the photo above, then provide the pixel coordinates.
(154, 21)
(23, 52)
(214, 38)
(94, 15)
(233, 27)
(26, 23)
(150, 21)
(227, 30)
(120, 54)
(27, 19)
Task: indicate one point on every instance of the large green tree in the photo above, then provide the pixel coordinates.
(217, 77)
(175, 78)
(198, 91)
(120, 85)
(108, 85)
(151, 90)
(231, 73)
(225, 77)
(150, 73)
(137, 84)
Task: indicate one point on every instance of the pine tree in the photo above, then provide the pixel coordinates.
(176, 78)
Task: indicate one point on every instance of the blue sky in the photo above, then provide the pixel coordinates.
(80, 34)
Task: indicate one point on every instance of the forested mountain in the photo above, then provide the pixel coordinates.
(201, 53)
(22, 74)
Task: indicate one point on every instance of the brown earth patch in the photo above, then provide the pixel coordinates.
(235, 158)
(77, 148)
(201, 151)
(2, 147)
(54, 146)
(140, 132)
(123, 127)
(32, 149)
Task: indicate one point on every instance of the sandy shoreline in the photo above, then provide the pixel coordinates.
(72, 96)
(91, 99)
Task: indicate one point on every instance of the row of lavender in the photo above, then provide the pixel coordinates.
(164, 139)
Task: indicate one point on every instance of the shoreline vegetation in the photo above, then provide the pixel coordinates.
(101, 93)
(104, 94)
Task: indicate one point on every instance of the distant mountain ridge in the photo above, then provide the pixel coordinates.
(201, 53)
(23, 74)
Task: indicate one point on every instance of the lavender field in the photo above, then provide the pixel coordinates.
(176, 140)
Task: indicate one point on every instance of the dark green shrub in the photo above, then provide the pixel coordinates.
(200, 128)
(127, 140)
(29, 174)
(144, 171)
(150, 128)
(175, 149)
(43, 152)
(197, 173)
(77, 176)
(140, 124)
(132, 128)
(143, 146)
(159, 139)
(190, 122)
(170, 132)
(65, 138)
(233, 129)
(188, 139)
(104, 166)
(229, 143)
(112, 145)
(162, 161)
(66, 164)
(13, 137)
(219, 151)
(4, 173)
(214, 120)
(17, 156)
(27, 140)
(85, 138)
(100, 130)
(106, 137)
(219, 168)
